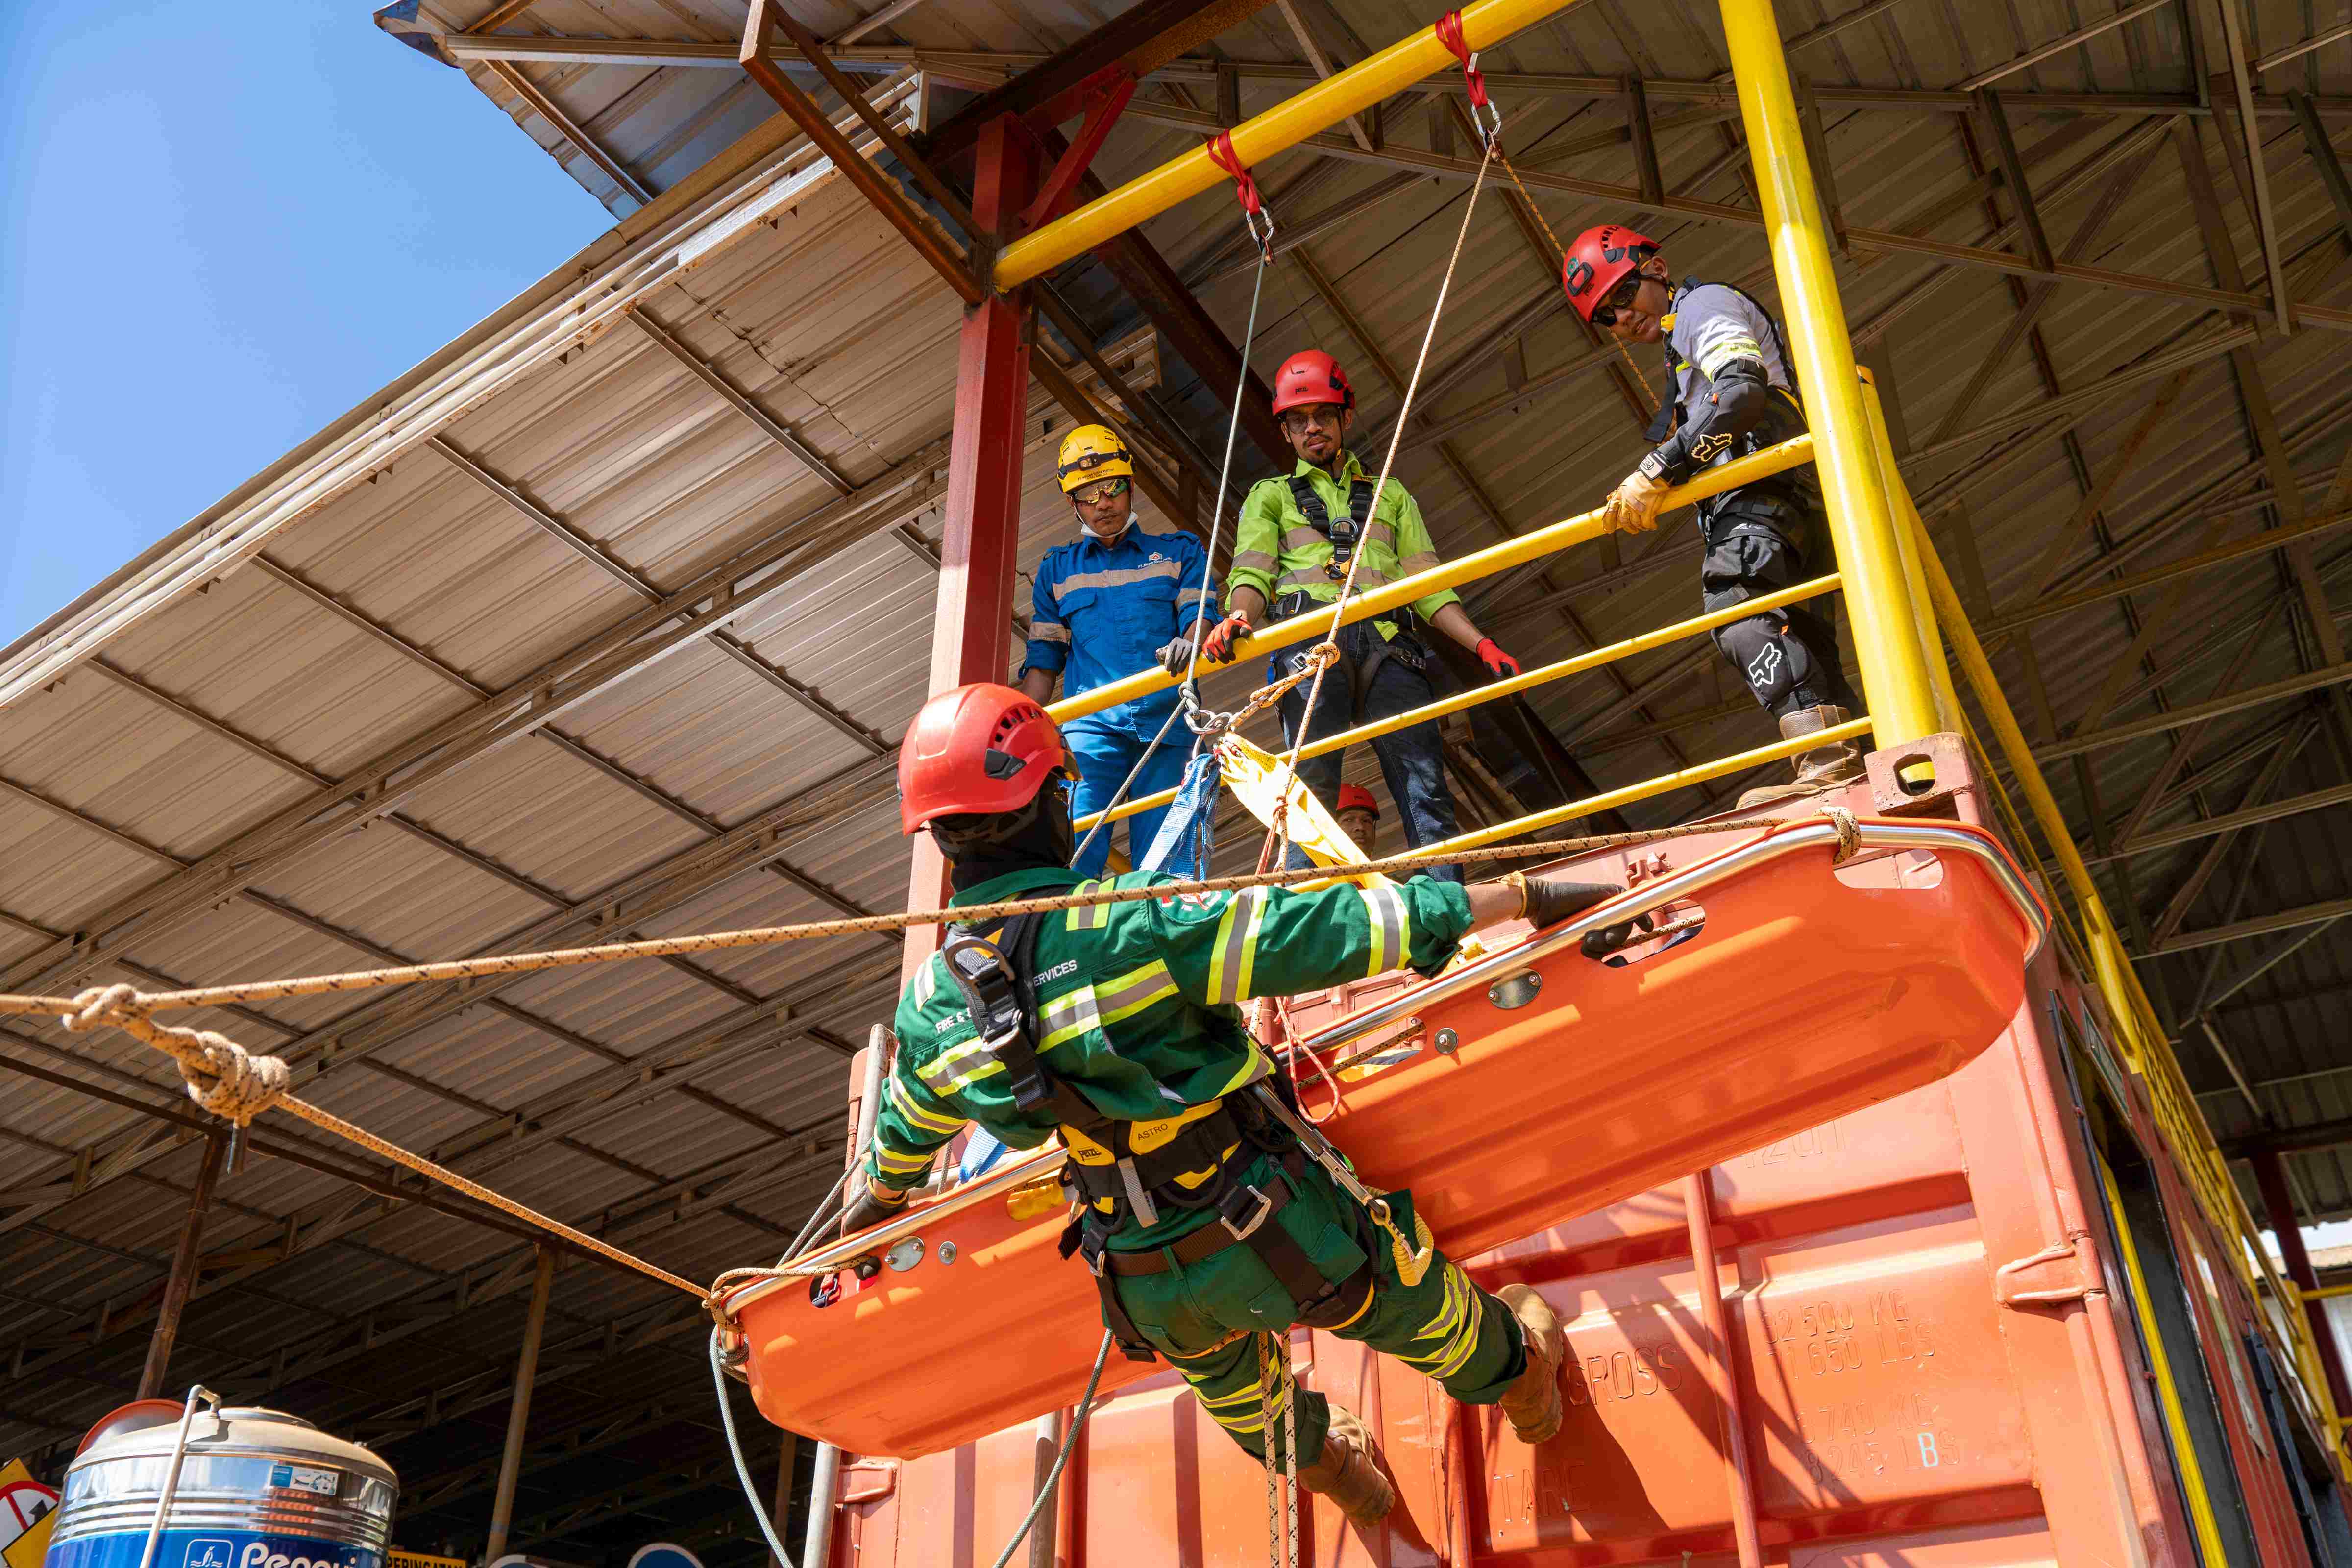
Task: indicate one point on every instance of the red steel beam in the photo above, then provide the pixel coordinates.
(981, 547)
(1139, 42)
(946, 258)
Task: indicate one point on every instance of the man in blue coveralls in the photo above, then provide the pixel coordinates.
(1115, 600)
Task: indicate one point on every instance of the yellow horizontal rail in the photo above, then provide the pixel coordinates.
(1543, 542)
(1560, 669)
(1485, 23)
(1664, 783)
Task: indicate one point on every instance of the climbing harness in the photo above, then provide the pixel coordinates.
(1345, 532)
(1196, 1165)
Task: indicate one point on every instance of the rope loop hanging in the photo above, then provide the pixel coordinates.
(1483, 114)
(1254, 214)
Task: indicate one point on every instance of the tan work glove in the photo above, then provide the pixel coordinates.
(1633, 506)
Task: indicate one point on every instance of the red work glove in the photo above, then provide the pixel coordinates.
(1223, 637)
(1498, 663)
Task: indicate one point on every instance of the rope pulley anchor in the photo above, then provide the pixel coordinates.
(1483, 114)
(1254, 215)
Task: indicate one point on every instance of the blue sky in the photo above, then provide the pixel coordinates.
(219, 229)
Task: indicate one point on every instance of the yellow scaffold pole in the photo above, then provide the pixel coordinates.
(1485, 23)
(1861, 519)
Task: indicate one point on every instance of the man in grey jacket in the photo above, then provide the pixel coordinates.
(1733, 394)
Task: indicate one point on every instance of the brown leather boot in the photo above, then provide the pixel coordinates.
(1533, 1403)
(1349, 1470)
(1823, 768)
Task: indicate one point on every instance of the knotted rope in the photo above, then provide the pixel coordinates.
(1311, 661)
(231, 1082)
(221, 1076)
(151, 1002)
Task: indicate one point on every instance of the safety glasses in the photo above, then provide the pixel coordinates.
(1621, 298)
(1298, 421)
(1099, 492)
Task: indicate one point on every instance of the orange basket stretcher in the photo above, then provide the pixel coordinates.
(1530, 1084)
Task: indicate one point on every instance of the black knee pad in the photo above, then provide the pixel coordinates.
(1774, 661)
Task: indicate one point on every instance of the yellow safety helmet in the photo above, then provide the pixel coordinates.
(1093, 452)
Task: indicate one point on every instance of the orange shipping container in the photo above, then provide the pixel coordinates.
(1977, 1324)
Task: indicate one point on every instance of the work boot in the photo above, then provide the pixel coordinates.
(1533, 1403)
(1349, 1470)
(1819, 770)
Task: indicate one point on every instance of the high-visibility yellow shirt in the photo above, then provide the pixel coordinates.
(1278, 552)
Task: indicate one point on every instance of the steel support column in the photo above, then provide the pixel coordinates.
(978, 551)
(186, 1264)
(1862, 516)
(2270, 1175)
(519, 1413)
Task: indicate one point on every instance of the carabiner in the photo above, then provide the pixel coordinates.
(1200, 719)
(1255, 216)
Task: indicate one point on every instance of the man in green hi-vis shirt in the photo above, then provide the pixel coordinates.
(1116, 1028)
(1293, 547)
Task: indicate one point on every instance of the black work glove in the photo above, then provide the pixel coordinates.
(1552, 900)
(1177, 657)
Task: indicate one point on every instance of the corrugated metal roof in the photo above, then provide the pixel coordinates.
(499, 593)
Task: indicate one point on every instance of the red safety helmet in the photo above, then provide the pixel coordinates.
(1599, 261)
(982, 749)
(1308, 376)
(1356, 797)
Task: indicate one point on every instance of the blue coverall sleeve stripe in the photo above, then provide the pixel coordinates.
(1049, 635)
(1197, 592)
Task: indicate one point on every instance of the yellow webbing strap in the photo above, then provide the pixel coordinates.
(1253, 776)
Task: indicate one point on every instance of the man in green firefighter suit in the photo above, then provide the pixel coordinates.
(1116, 1028)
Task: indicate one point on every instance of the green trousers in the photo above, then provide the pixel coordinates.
(1200, 1316)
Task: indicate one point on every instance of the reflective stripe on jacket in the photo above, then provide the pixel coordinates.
(1138, 1007)
(1278, 552)
(1101, 612)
